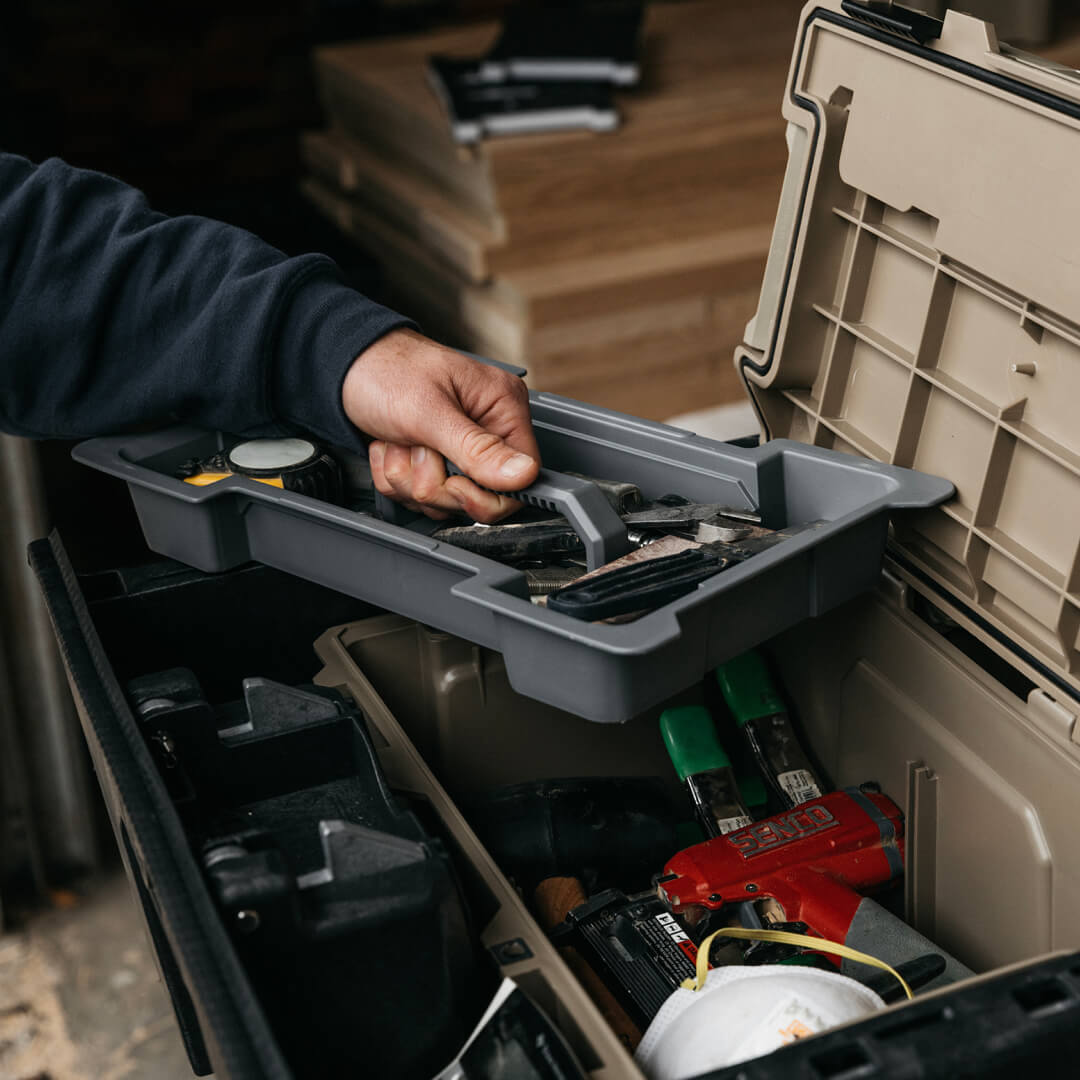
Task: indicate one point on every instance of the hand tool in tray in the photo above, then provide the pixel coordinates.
(603, 517)
(638, 586)
(724, 536)
(585, 507)
(534, 538)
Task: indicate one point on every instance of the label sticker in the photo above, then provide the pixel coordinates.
(792, 1018)
(799, 786)
(726, 825)
(678, 936)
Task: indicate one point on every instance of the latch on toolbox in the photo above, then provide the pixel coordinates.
(1052, 717)
(884, 15)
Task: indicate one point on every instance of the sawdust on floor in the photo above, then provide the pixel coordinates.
(80, 997)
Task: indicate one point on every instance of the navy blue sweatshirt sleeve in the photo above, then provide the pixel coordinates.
(113, 317)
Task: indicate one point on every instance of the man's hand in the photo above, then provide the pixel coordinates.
(421, 403)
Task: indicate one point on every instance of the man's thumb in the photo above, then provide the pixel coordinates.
(486, 458)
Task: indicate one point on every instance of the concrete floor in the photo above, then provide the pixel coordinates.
(80, 997)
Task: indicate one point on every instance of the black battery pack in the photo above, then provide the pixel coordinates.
(640, 949)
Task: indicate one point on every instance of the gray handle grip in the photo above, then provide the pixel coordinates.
(392, 511)
(583, 504)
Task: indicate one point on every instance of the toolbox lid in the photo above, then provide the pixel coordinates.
(921, 303)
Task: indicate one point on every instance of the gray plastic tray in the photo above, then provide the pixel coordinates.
(603, 672)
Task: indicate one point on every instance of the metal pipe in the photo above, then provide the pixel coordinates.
(45, 722)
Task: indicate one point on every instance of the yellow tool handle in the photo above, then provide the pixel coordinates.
(204, 479)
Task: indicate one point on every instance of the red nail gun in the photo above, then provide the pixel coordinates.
(815, 861)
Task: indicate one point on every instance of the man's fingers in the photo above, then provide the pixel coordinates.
(428, 473)
(426, 482)
(397, 468)
(495, 403)
(480, 505)
(389, 470)
(376, 455)
(414, 476)
(508, 414)
(486, 457)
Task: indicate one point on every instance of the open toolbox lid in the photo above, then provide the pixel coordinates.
(921, 303)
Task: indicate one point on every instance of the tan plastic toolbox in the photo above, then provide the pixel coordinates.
(885, 688)
(916, 310)
(919, 308)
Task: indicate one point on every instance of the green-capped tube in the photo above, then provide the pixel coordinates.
(759, 711)
(748, 688)
(704, 767)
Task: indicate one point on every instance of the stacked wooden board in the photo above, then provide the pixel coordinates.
(618, 268)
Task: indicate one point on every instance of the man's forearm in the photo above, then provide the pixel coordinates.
(113, 316)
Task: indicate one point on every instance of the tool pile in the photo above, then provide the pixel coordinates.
(675, 545)
(574, 565)
(770, 881)
(620, 564)
(619, 268)
(707, 929)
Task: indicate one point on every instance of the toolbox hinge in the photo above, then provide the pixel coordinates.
(914, 26)
(1052, 717)
(896, 589)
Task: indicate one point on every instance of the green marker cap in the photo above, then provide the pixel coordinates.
(691, 740)
(748, 688)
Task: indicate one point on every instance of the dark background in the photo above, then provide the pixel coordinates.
(198, 104)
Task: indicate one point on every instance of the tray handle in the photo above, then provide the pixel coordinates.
(583, 504)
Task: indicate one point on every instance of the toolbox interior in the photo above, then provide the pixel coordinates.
(885, 688)
(979, 760)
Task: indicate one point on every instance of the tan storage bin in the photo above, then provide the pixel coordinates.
(917, 309)
(986, 779)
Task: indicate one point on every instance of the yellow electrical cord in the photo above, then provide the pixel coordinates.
(785, 937)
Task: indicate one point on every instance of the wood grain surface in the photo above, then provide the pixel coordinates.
(619, 268)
